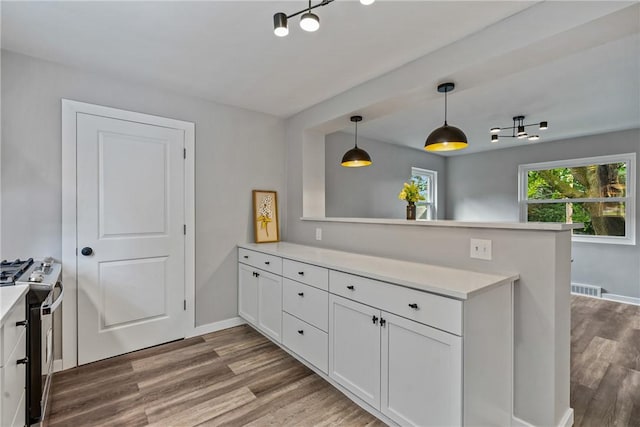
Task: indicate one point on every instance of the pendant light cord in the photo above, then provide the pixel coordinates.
(445, 107)
(356, 134)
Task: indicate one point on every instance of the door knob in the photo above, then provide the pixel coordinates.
(86, 251)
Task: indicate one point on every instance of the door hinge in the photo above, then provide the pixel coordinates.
(184, 229)
(185, 305)
(184, 153)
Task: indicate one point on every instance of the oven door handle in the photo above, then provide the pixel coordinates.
(50, 308)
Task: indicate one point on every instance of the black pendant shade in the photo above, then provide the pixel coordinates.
(446, 138)
(356, 157)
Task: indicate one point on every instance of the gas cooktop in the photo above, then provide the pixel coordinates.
(10, 271)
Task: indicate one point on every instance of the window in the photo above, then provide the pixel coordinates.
(427, 182)
(596, 191)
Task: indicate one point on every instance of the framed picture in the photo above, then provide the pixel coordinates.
(265, 216)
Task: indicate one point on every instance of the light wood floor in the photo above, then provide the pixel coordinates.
(237, 377)
(605, 363)
(233, 377)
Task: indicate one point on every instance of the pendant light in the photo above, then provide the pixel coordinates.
(356, 157)
(309, 21)
(446, 138)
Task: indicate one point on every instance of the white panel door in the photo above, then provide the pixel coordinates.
(354, 348)
(130, 213)
(421, 374)
(248, 293)
(270, 304)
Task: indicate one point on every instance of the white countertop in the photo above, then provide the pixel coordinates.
(451, 282)
(545, 226)
(9, 296)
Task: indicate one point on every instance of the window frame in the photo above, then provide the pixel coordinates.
(432, 213)
(630, 199)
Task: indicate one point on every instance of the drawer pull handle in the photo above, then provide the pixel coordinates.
(22, 361)
(22, 323)
(267, 262)
(351, 288)
(414, 306)
(301, 273)
(256, 274)
(300, 331)
(246, 257)
(300, 294)
(382, 322)
(374, 319)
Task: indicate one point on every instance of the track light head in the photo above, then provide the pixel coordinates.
(494, 138)
(521, 132)
(534, 137)
(544, 125)
(280, 27)
(494, 130)
(310, 22)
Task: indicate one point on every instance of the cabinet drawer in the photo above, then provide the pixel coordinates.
(12, 332)
(259, 260)
(13, 382)
(424, 307)
(307, 303)
(306, 341)
(306, 273)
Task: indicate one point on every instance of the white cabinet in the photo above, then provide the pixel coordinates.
(421, 374)
(410, 356)
(270, 304)
(248, 294)
(354, 348)
(411, 372)
(13, 349)
(260, 299)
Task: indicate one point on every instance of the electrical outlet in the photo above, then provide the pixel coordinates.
(480, 249)
(318, 233)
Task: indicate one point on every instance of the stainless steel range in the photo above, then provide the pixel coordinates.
(44, 297)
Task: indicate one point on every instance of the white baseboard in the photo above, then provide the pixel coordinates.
(57, 365)
(215, 326)
(621, 298)
(517, 422)
(566, 421)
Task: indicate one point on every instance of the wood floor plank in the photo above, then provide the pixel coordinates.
(196, 414)
(605, 380)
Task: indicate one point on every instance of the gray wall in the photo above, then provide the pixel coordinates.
(236, 150)
(372, 192)
(484, 187)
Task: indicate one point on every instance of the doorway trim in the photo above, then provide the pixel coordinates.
(70, 110)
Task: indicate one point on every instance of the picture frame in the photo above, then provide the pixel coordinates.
(265, 216)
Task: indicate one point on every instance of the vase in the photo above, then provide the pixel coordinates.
(411, 211)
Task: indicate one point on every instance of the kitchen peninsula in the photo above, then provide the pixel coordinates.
(412, 343)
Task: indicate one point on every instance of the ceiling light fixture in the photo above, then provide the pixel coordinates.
(308, 21)
(517, 130)
(356, 157)
(446, 138)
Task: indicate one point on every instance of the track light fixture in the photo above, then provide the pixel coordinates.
(517, 130)
(446, 138)
(308, 21)
(356, 157)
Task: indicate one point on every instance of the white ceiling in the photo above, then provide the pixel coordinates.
(226, 51)
(583, 80)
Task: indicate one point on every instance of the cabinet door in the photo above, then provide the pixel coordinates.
(270, 304)
(248, 293)
(421, 374)
(354, 348)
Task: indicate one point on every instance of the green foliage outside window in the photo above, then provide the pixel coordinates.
(600, 217)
